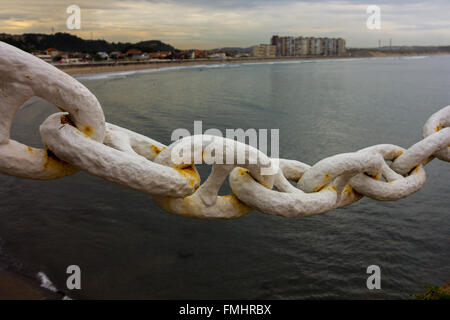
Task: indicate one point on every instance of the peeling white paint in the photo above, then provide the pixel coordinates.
(24, 76)
(435, 123)
(127, 169)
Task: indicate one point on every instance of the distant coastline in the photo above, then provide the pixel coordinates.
(105, 67)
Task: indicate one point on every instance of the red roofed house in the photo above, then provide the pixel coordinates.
(133, 53)
(52, 52)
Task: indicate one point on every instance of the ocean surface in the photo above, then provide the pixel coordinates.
(127, 247)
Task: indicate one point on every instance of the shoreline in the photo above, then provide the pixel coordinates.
(132, 66)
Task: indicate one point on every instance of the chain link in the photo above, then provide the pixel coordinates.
(78, 138)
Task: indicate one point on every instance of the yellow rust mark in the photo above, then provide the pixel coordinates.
(438, 128)
(53, 164)
(167, 202)
(318, 188)
(375, 177)
(189, 206)
(357, 194)
(348, 189)
(242, 171)
(350, 192)
(30, 149)
(327, 177)
(398, 154)
(66, 120)
(164, 202)
(28, 77)
(190, 174)
(156, 150)
(333, 187)
(60, 108)
(88, 130)
(237, 204)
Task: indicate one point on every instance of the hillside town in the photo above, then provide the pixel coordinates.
(67, 49)
(55, 56)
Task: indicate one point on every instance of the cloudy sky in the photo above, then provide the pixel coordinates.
(217, 23)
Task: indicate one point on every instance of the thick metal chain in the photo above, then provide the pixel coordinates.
(78, 138)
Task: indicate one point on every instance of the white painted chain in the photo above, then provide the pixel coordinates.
(79, 138)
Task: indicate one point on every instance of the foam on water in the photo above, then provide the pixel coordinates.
(124, 74)
(45, 282)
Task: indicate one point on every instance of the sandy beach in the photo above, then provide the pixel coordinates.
(123, 66)
(111, 67)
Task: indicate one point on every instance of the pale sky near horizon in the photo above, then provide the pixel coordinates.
(207, 24)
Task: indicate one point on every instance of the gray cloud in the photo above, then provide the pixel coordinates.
(211, 23)
(256, 3)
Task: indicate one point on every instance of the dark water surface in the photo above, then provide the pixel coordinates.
(129, 248)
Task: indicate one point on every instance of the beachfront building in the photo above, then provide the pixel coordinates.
(52, 52)
(285, 46)
(317, 46)
(298, 46)
(331, 47)
(200, 54)
(133, 54)
(301, 46)
(275, 41)
(340, 47)
(288, 45)
(218, 56)
(43, 55)
(102, 55)
(115, 54)
(306, 46)
(264, 51)
(161, 54)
